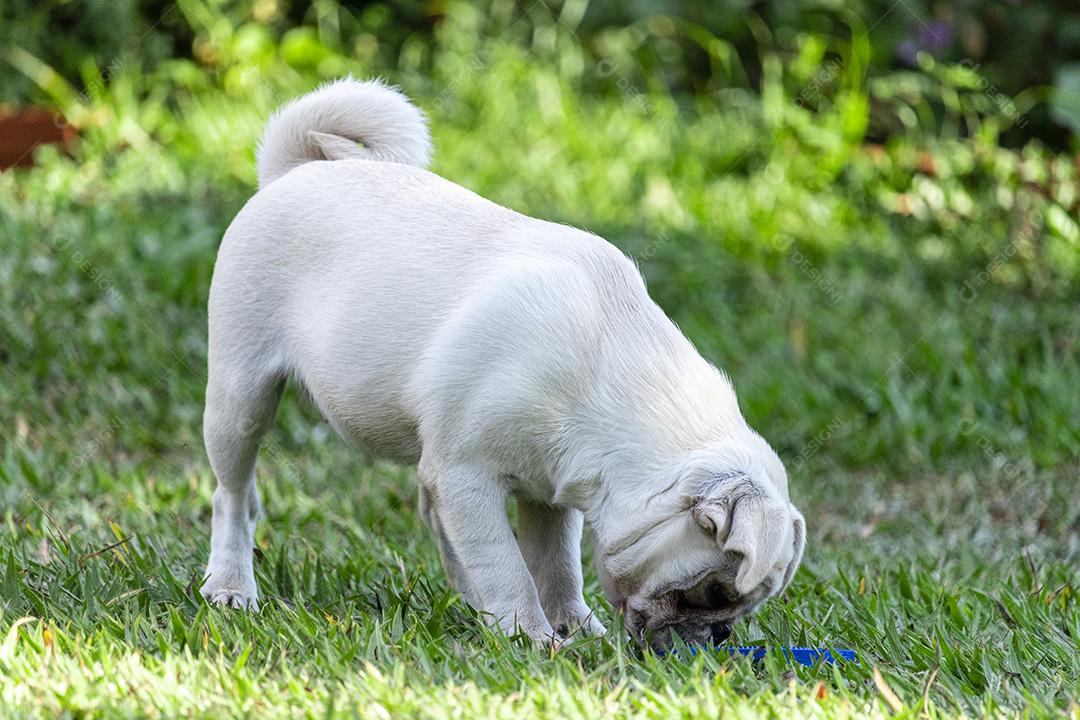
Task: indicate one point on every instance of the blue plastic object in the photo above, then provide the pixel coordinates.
(801, 655)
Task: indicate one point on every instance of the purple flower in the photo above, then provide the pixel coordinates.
(932, 37)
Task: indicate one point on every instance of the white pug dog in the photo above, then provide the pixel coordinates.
(507, 356)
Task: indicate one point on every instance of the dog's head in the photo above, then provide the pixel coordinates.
(712, 548)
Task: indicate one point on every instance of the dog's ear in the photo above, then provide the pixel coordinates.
(749, 521)
(798, 545)
(759, 530)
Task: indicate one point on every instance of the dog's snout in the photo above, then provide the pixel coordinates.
(720, 632)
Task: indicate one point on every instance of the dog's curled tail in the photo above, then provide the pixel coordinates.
(343, 119)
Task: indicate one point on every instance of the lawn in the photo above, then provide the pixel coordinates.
(901, 321)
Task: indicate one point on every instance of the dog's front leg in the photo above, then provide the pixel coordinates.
(472, 514)
(550, 541)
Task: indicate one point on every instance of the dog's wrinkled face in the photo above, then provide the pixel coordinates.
(700, 608)
(717, 557)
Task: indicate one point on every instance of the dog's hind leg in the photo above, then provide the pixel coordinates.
(239, 410)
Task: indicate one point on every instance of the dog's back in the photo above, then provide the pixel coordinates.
(346, 267)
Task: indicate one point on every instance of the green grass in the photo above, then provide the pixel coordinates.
(907, 340)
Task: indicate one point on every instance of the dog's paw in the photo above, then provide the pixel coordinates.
(552, 643)
(231, 589)
(233, 599)
(581, 621)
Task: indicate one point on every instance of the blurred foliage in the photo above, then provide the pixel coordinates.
(800, 143)
(1018, 57)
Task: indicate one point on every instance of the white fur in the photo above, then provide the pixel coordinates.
(333, 122)
(507, 356)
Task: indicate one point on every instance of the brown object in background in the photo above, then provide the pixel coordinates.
(23, 129)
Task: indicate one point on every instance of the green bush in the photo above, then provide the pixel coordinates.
(1015, 55)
